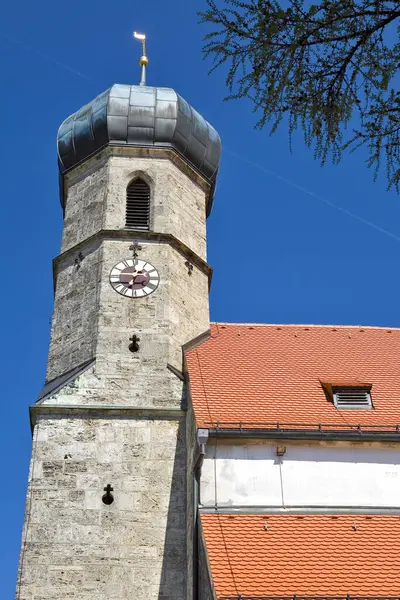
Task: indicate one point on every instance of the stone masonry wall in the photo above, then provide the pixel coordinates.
(174, 314)
(178, 205)
(76, 547)
(92, 320)
(86, 204)
(191, 445)
(76, 304)
(166, 319)
(206, 587)
(96, 199)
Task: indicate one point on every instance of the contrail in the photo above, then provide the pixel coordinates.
(246, 160)
(46, 57)
(313, 195)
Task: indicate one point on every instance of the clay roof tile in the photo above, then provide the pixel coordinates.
(275, 373)
(314, 555)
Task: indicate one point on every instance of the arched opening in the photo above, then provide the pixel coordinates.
(138, 205)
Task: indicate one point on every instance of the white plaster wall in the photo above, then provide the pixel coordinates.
(253, 475)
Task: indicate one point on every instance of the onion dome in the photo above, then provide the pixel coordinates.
(140, 116)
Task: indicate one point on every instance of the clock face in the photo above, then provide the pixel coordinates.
(134, 278)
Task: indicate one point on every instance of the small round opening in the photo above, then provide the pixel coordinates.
(108, 499)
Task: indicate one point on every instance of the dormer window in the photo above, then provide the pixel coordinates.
(138, 205)
(352, 397)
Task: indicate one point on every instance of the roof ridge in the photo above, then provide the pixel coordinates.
(316, 325)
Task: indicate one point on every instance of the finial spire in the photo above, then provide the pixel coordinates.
(143, 61)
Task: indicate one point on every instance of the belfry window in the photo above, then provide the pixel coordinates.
(352, 397)
(138, 205)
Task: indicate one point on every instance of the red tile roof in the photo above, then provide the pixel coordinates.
(273, 373)
(305, 555)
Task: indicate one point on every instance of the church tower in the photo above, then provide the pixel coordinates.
(109, 509)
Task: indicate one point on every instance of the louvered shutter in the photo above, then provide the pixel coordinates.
(352, 397)
(138, 205)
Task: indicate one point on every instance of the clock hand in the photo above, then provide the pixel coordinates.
(134, 277)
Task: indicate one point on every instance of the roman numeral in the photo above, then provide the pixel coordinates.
(121, 289)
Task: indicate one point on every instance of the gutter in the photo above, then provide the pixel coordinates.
(202, 439)
(359, 435)
(299, 510)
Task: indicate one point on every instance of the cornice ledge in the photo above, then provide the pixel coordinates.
(104, 411)
(197, 341)
(129, 234)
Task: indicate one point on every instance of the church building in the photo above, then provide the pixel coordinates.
(178, 459)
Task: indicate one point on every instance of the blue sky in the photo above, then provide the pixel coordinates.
(317, 245)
